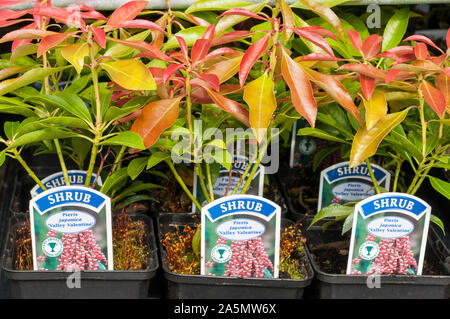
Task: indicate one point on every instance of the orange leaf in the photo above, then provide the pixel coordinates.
(155, 118)
(434, 98)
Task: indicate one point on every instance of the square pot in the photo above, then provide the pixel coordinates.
(178, 286)
(340, 286)
(97, 284)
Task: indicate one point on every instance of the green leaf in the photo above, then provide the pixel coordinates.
(196, 241)
(216, 5)
(58, 121)
(190, 35)
(332, 211)
(78, 85)
(114, 113)
(440, 186)
(157, 158)
(2, 157)
(438, 222)
(10, 129)
(320, 134)
(227, 22)
(28, 77)
(127, 138)
(136, 166)
(41, 135)
(395, 29)
(137, 187)
(348, 224)
(114, 179)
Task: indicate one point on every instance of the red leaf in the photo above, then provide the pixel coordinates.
(446, 71)
(200, 50)
(242, 12)
(148, 49)
(355, 39)
(211, 80)
(193, 19)
(391, 75)
(372, 46)
(251, 56)
(92, 14)
(8, 14)
(158, 74)
(157, 36)
(231, 37)
(315, 38)
(25, 34)
(60, 15)
(434, 98)
(170, 71)
(155, 118)
(99, 36)
(7, 23)
(51, 41)
(209, 32)
(320, 31)
(365, 69)
(336, 90)
(219, 52)
(138, 24)
(126, 12)
(230, 106)
(320, 57)
(443, 85)
(367, 85)
(422, 38)
(421, 51)
(183, 46)
(301, 89)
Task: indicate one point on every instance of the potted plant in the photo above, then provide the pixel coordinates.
(70, 108)
(403, 92)
(264, 71)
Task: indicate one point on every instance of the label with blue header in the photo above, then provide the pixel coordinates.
(71, 229)
(225, 183)
(76, 177)
(340, 183)
(240, 237)
(389, 235)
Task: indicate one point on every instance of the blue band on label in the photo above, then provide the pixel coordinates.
(241, 205)
(344, 171)
(65, 197)
(76, 178)
(397, 202)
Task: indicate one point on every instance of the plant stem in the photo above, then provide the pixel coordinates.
(421, 177)
(261, 153)
(210, 185)
(372, 176)
(199, 172)
(91, 162)
(423, 124)
(62, 162)
(118, 162)
(28, 169)
(182, 184)
(397, 174)
(188, 100)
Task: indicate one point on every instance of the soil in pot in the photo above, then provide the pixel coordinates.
(181, 247)
(177, 233)
(130, 244)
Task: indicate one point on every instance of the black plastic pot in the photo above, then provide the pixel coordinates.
(93, 284)
(341, 286)
(179, 286)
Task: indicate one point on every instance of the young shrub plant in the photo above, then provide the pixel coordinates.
(403, 96)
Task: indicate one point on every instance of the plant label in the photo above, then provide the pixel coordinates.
(76, 177)
(240, 237)
(71, 229)
(340, 184)
(303, 148)
(225, 185)
(389, 235)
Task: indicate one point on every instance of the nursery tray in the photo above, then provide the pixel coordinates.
(178, 286)
(94, 284)
(341, 286)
